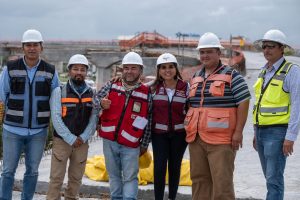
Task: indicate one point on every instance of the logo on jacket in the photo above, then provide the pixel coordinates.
(180, 93)
(161, 90)
(136, 107)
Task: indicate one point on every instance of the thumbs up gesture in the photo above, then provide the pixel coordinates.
(105, 102)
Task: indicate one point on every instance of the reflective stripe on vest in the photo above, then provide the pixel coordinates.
(14, 112)
(44, 74)
(266, 110)
(44, 114)
(117, 87)
(140, 95)
(161, 97)
(108, 128)
(273, 102)
(69, 100)
(17, 73)
(129, 137)
(161, 127)
(178, 126)
(211, 124)
(179, 99)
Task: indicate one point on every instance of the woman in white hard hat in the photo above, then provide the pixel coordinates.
(168, 134)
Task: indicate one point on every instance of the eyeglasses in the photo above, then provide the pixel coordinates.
(268, 46)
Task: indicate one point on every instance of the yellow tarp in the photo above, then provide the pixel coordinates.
(95, 170)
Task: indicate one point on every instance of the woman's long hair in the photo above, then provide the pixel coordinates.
(158, 79)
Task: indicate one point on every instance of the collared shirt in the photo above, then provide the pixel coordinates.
(59, 125)
(146, 139)
(5, 90)
(292, 85)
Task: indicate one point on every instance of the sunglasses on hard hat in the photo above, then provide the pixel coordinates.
(269, 46)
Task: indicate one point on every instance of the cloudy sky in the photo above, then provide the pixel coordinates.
(108, 19)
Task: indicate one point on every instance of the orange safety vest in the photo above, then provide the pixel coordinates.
(116, 122)
(75, 109)
(215, 125)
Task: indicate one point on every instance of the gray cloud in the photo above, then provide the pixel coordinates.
(108, 19)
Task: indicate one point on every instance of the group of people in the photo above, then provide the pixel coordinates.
(207, 114)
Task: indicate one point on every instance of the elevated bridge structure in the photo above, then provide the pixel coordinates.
(104, 56)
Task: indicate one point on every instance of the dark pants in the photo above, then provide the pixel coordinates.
(167, 148)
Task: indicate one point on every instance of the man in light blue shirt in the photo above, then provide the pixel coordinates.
(25, 89)
(74, 121)
(276, 111)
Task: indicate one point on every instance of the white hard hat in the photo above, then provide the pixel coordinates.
(78, 59)
(32, 35)
(273, 35)
(166, 58)
(209, 40)
(132, 58)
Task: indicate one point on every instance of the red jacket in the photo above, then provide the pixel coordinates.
(169, 116)
(116, 122)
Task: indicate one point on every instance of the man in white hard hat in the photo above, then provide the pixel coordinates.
(276, 113)
(218, 107)
(26, 86)
(74, 121)
(124, 126)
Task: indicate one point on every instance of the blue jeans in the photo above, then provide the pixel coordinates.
(269, 142)
(122, 164)
(13, 146)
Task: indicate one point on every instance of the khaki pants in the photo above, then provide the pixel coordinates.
(61, 153)
(212, 169)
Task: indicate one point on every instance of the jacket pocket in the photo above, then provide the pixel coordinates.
(17, 85)
(217, 88)
(43, 88)
(15, 110)
(216, 121)
(190, 123)
(43, 113)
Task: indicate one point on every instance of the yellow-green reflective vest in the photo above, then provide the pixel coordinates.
(272, 103)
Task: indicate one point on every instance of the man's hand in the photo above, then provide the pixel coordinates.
(237, 140)
(105, 103)
(288, 147)
(78, 142)
(142, 150)
(115, 79)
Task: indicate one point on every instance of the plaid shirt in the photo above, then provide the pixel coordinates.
(146, 138)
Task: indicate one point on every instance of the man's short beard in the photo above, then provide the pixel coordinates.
(77, 82)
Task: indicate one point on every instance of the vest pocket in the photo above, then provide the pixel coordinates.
(43, 112)
(14, 112)
(215, 121)
(217, 88)
(17, 85)
(191, 123)
(42, 88)
(273, 93)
